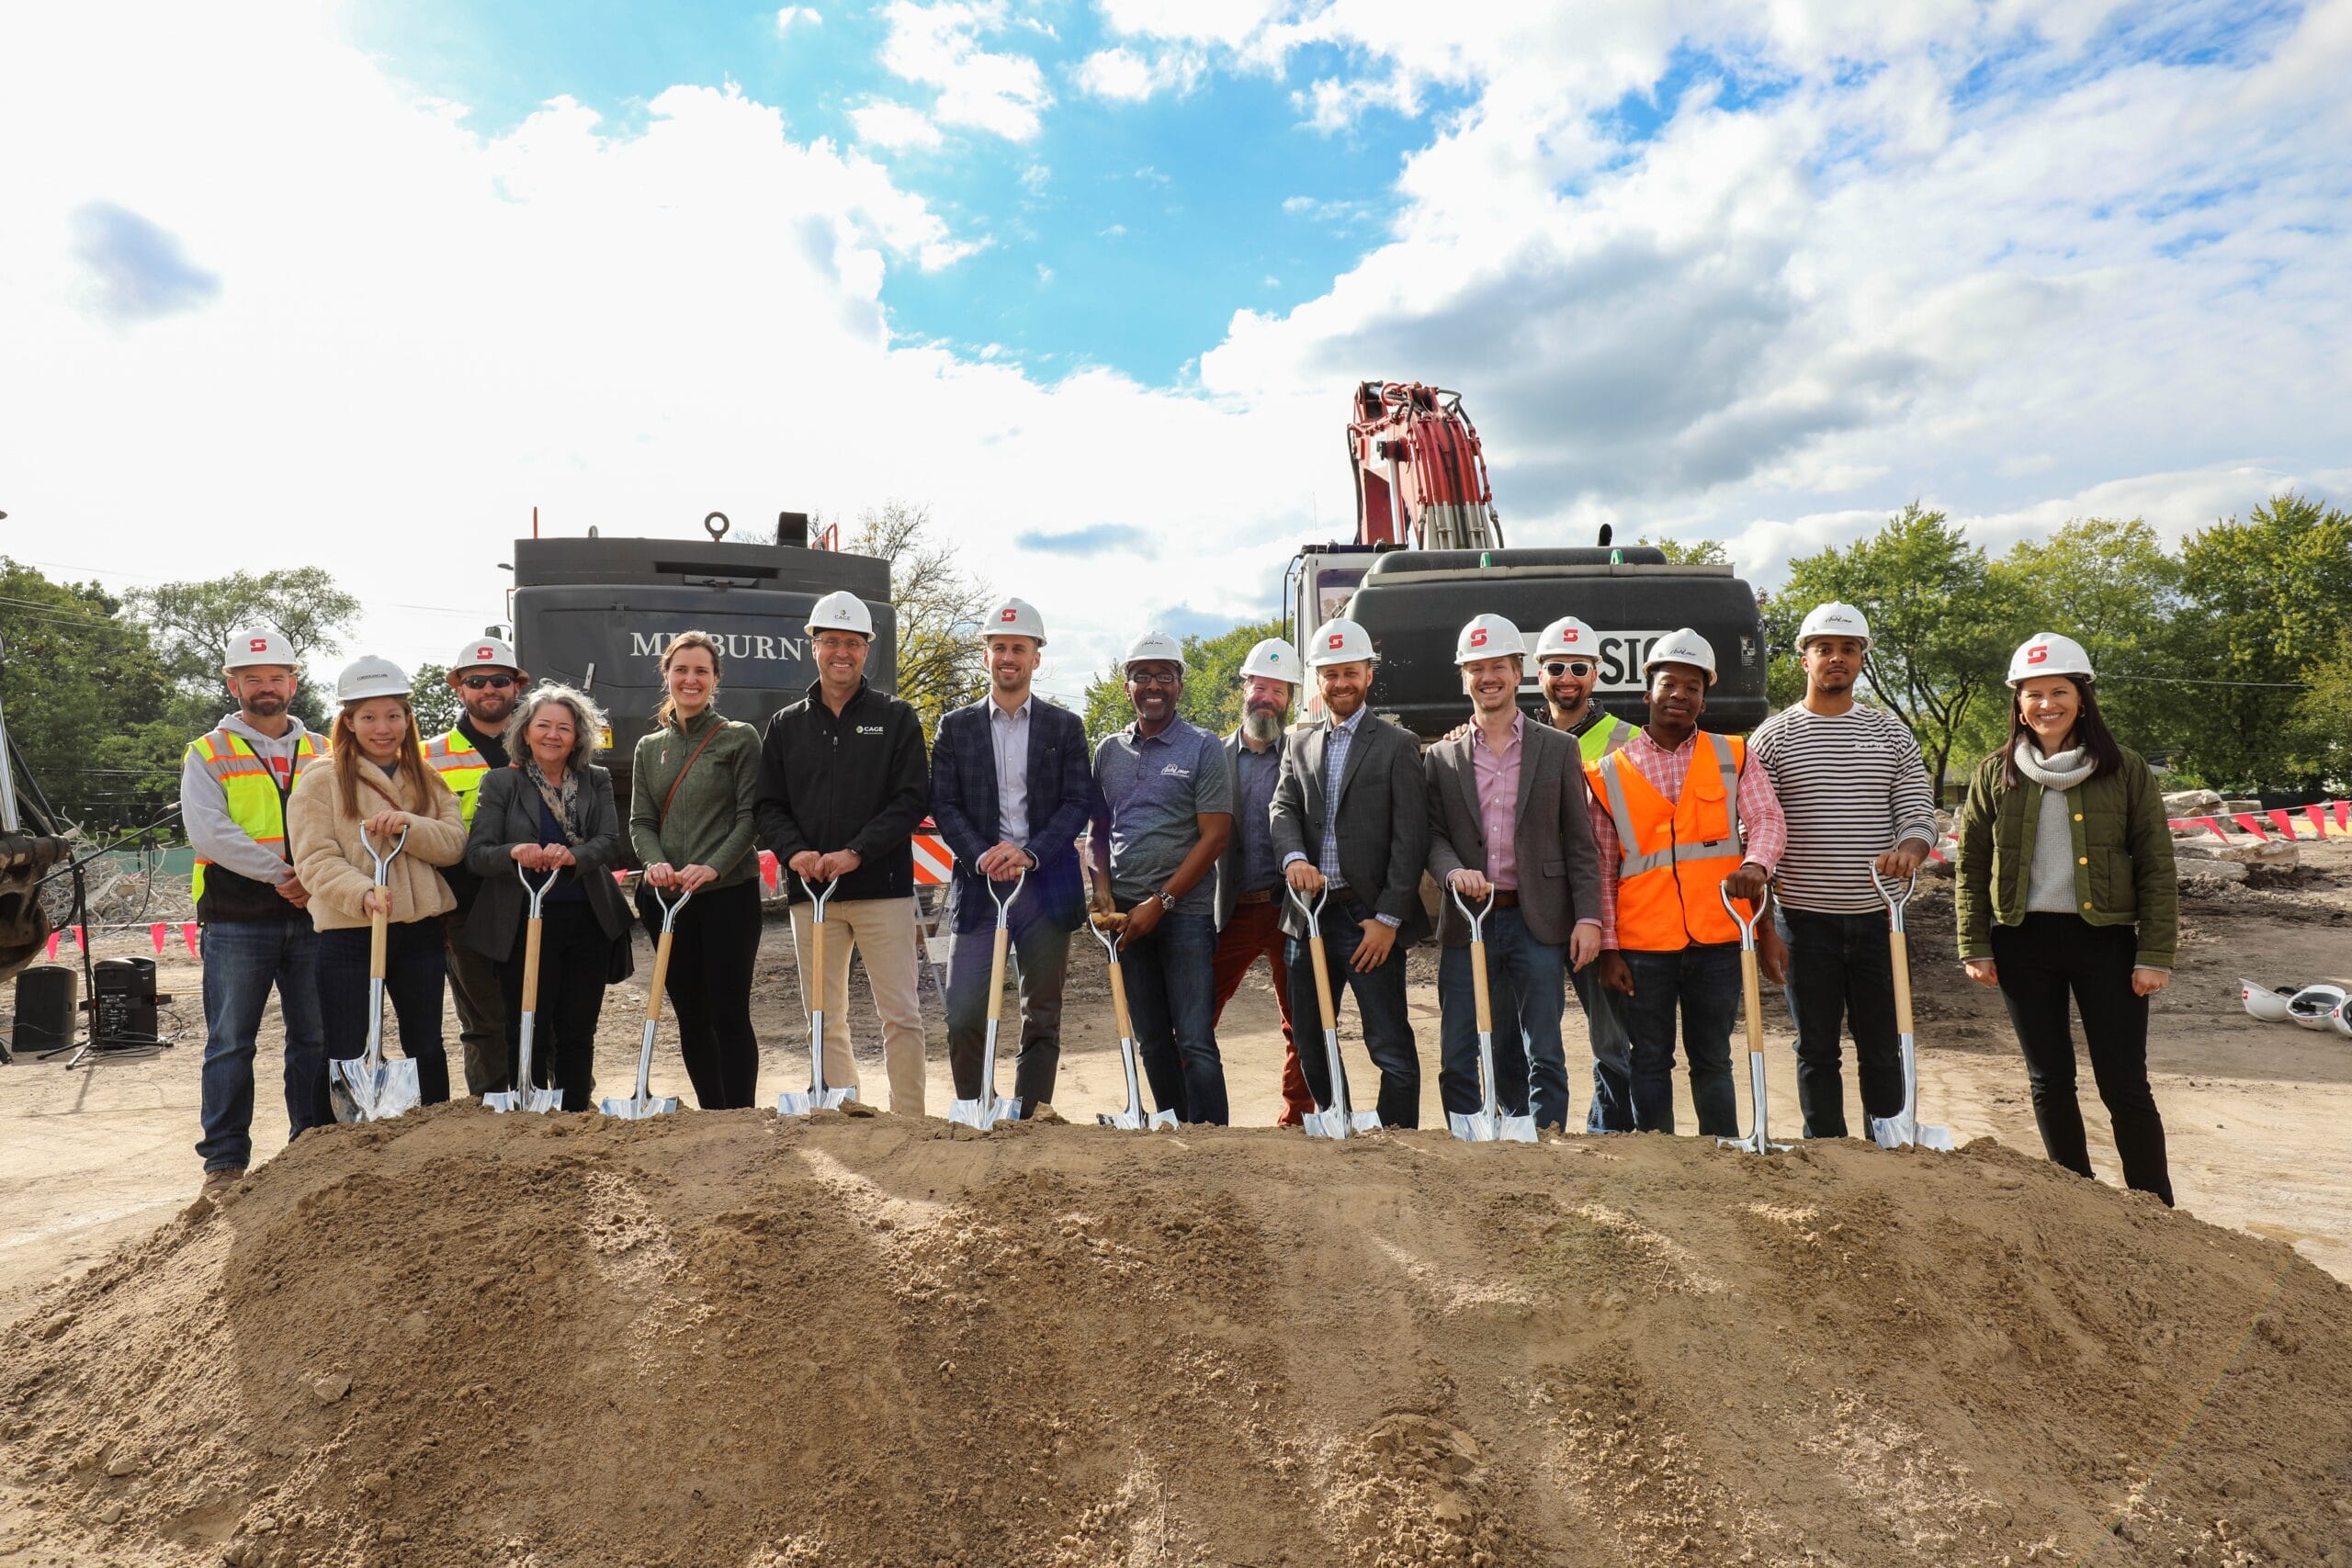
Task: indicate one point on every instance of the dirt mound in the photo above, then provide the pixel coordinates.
(721, 1339)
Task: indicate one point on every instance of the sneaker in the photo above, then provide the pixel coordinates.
(219, 1182)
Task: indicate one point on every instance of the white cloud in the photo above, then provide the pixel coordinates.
(886, 124)
(938, 45)
(1124, 76)
(801, 15)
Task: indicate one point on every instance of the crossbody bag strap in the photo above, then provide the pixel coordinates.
(689, 767)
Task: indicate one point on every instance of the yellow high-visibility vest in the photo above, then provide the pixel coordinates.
(255, 799)
(462, 767)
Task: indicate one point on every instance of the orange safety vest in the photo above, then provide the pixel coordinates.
(1674, 854)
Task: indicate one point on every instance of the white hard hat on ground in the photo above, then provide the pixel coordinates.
(1834, 619)
(1154, 648)
(257, 645)
(370, 676)
(1488, 636)
(1567, 637)
(1015, 617)
(486, 653)
(1685, 646)
(2314, 1007)
(2047, 653)
(1340, 641)
(2268, 1005)
(841, 611)
(1273, 658)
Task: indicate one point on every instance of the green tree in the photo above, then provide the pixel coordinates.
(434, 699)
(2270, 600)
(1939, 628)
(1696, 552)
(1211, 682)
(88, 703)
(191, 622)
(2324, 717)
(939, 608)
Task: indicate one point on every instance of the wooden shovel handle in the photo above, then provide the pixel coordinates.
(1478, 988)
(1322, 980)
(660, 978)
(1119, 1003)
(1751, 996)
(1901, 944)
(996, 972)
(378, 924)
(531, 965)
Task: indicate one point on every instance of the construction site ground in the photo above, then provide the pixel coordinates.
(98, 1174)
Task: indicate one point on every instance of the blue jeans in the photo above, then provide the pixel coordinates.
(414, 972)
(1387, 1027)
(1704, 979)
(1171, 1002)
(1611, 1110)
(243, 960)
(1527, 989)
(1841, 970)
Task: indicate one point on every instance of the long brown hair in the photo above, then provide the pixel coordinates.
(2091, 733)
(667, 711)
(416, 780)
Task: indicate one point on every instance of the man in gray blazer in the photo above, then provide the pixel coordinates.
(1507, 817)
(1351, 815)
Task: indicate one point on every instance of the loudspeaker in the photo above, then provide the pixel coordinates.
(123, 1010)
(45, 1003)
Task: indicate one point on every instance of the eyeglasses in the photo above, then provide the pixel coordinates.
(1576, 667)
(1153, 678)
(495, 682)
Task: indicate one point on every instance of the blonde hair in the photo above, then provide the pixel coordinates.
(668, 710)
(416, 780)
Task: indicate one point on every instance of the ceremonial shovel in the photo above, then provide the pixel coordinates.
(988, 1110)
(642, 1106)
(525, 1095)
(817, 1097)
(1487, 1123)
(1751, 998)
(1901, 1131)
(366, 1087)
(1335, 1119)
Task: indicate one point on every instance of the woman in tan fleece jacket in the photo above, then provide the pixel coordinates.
(377, 777)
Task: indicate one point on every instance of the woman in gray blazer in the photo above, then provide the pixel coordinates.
(551, 809)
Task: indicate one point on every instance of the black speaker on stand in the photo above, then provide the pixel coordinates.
(46, 1000)
(122, 1005)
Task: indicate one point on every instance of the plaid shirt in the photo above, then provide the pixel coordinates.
(1763, 833)
(1340, 737)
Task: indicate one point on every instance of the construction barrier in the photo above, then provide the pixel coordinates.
(2280, 819)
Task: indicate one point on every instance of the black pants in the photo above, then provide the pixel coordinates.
(574, 952)
(710, 988)
(1038, 955)
(1841, 974)
(2040, 961)
(415, 975)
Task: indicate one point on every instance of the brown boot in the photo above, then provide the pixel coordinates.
(216, 1182)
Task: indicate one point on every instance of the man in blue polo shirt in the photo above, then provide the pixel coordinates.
(1170, 798)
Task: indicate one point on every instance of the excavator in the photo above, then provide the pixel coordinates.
(1429, 554)
(30, 848)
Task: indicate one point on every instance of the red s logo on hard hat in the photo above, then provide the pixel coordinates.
(2038, 654)
(1008, 614)
(1574, 636)
(482, 653)
(1337, 639)
(257, 645)
(1479, 637)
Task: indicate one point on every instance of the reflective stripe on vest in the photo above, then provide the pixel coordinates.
(462, 768)
(249, 788)
(1605, 737)
(1666, 887)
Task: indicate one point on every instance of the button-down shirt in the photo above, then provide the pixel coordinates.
(1763, 831)
(1253, 804)
(1009, 734)
(1497, 773)
(1158, 786)
(1341, 736)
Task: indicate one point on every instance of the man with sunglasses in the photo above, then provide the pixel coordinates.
(1566, 666)
(489, 681)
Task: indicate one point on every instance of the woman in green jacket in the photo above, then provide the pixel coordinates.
(690, 823)
(2066, 885)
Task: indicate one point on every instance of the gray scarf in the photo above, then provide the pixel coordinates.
(563, 801)
(2058, 770)
(2049, 881)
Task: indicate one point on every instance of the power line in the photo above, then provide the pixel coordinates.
(2187, 680)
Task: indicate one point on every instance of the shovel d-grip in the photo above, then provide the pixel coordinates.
(817, 1095)
(525, 1095)
(1904, 1129)
(1760, 1139)
(1487, 1123)
(1335, 1119)
(988, 1110)
(366, 1087)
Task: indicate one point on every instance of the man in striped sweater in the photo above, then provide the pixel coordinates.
(1855, 794)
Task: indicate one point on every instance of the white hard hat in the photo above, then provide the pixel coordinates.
(1340, 641)
(1015, 617)
(1488, 636)
(257, 645)
(1834, 619)
(2342, 1018)
(1685, 646)
(486, 653)
(841, 611)
(370, 676)
(2314, 1007)
(2263, 1003)
(1567, 637)
(2047, 653)
(1273, 659)
(1154, 648)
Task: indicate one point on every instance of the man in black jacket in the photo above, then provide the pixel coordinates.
(1010, 787)
(843, 785)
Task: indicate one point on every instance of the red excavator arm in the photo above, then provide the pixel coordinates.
(1420, 472)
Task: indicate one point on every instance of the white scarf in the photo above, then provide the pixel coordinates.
(2059, 770)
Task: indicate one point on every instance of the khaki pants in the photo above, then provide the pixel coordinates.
(482, 1011)
(884, 932)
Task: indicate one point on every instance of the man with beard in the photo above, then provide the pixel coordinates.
(488, 681)
(1856, 793)
(1684, 819)
(1009, 789)
(257, 933)
(1248, 883)
(1567, 667)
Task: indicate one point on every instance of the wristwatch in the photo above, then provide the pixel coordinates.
(1167, 900)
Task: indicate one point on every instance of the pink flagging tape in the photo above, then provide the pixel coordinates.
(2318, 815)
(770, 873)
(188, 935)
(2252, 824)
(52, 945)
(2286, 823)
(155, 935)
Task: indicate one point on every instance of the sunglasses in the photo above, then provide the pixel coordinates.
(1152, 678)
(1560, 667)
(495, 682)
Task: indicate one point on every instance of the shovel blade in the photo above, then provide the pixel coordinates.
(981, 1114)
(1905, 1132)
(502, 1101)
(800, 1103)
(1473, 1126)
(1136, 1120)
(1755, 1143)
(361, 1094)
(644, 1110)
(1332, 1124)
(1515, 1129)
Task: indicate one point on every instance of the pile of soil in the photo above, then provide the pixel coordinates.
(724, 1339)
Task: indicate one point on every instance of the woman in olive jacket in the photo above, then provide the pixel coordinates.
(551, 811)
(2066, 885)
